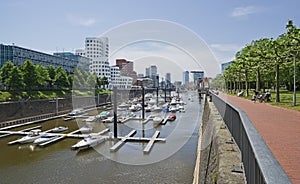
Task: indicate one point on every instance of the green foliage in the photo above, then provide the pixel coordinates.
(29, 74)
(15, 79)
(5, 71)
(266, 62)
(61, 78)
(52, 74)
(42, 75)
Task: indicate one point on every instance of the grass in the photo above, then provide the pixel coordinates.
(286, 99)
(6, 95)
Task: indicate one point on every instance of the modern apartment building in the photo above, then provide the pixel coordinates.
(97, 50)
(121, 82)
(126, 69)
(18, 55)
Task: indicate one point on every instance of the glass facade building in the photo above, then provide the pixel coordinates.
(18, 55)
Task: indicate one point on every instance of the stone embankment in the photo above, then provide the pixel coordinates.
(29, 110)
(218, 157)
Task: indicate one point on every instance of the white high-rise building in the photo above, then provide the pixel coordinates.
(96, 48)
(121, 82)
(80, 52)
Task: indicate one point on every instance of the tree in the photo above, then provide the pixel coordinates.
(42, 75)
(29, 74)
(52, 74)
(5, 71)
(61, 78)
(15, 79)
(91, 81)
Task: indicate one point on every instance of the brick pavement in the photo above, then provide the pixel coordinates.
(280, 129)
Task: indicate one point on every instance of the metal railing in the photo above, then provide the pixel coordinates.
(259, 163)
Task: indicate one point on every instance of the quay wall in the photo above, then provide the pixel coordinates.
(218, 157)
(28, 109)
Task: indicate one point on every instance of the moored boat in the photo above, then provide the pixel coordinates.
(59, 129)
(88, 142)
(90, 119)
(103, 115)
(44, 138)
(86, 129)
(33, 135)
(157, 120)
(171, 117)
(76, 112)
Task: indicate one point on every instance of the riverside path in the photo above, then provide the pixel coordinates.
(280, 129)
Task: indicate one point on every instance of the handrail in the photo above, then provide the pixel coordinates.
(260, 165)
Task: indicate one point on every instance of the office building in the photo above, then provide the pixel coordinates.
(224, 66)
(168, 79)
(198, 77)
(185, 78)
(83, 62)
(97, 50)
(126, 69)
(18, 55)
(121, 82)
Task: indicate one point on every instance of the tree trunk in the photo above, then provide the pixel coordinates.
(246, 84)
(258, 80)
(277, 82)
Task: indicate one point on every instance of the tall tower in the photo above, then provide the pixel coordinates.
(185, 78)
(97, 49)
(168, 79)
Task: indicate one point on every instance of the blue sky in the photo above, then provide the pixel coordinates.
(225, 25)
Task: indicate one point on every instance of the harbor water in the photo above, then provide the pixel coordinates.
(172, 161)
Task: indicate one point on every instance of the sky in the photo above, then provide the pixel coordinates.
(221, 27)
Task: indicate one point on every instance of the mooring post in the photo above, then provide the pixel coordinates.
(56, 106)
(143, 103)
(115, 112)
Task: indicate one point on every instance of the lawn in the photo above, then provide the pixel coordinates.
(5, 95)
(286, 99)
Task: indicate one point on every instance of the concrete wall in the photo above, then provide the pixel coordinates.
(23, 109)
(217, 153)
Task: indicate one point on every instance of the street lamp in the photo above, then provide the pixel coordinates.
(294, 95)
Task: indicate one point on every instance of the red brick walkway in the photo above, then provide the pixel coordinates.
(280, 128)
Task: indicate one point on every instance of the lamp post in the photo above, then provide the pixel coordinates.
(295, 66)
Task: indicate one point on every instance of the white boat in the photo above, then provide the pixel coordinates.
(123, 106)
(148, 108)
(33, 135)
(76, 112)
(135, 108)
(157, 120)
(103, 115)
(90, 119)
(88, 142)
(44, 138)
(59, 129)
(86, 129)
(108, 120)
(156, 108)
(173, 109)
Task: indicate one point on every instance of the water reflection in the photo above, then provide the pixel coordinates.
(58, 164)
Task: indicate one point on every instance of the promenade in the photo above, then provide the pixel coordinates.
(280, 129)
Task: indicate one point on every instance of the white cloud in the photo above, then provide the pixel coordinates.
(243, 11)
(225, 52)
(81, 21)
(225, 47)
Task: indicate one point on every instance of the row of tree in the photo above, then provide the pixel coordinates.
(266, 63)
(37, 77)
